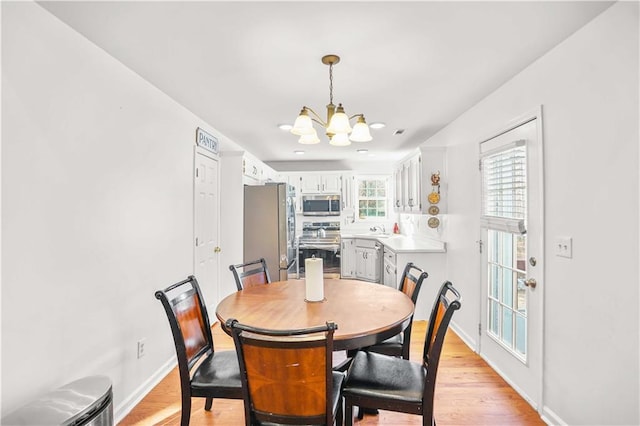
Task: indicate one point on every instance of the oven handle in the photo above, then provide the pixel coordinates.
(333, 247)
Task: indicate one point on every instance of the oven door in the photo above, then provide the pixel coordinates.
(329, 253)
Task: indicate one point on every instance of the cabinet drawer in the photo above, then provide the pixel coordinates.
(390, 257)
(365, 243)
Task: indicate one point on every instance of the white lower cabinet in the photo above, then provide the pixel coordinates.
(433, 264)
(389, 269)
(368, 256)
(348, 258)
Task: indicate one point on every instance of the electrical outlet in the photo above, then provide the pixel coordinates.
(141, 348)
(563, 247)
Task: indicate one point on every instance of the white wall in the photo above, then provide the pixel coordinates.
(97, 199)
(588, 86)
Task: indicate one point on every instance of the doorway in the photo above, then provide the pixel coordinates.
(512, 219)
(206, 207)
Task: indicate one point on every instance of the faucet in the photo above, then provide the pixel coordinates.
(377, 229)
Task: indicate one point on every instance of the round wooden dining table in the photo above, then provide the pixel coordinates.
(366, 313)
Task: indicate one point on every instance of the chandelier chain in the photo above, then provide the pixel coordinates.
(331, 83)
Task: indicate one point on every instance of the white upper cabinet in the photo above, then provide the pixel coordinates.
(313, 183)
(414, 173)
(348, 191)
(412, 179)
(255, 172)
(407, 179)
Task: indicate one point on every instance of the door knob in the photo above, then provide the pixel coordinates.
(531, 282)
(217, 250)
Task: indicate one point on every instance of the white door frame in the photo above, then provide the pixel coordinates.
(213, 299)
(533, 114)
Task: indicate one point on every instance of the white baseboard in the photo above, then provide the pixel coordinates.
(134, 399)
(551, 418)
(468, 340)
(506, 378)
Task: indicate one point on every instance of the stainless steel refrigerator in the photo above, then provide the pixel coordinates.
(270, 227)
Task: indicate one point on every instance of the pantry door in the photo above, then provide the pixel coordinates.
(511, 323)
(206, 227)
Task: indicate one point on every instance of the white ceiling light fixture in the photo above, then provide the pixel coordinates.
(337, 126)
(377, 125)
(285, 126)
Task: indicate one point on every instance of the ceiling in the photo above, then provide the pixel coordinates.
(245, 67)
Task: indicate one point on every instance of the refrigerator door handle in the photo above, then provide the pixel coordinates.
(289, 264)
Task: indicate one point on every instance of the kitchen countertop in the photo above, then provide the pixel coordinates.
(402, 243)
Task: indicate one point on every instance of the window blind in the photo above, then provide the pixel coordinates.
(504, 186)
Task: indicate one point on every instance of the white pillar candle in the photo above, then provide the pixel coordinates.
(314, 280)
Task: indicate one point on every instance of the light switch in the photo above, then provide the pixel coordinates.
(563, 247)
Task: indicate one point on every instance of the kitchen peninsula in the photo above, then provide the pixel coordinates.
(382, 257)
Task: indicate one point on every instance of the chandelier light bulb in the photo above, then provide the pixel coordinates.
(339, 122)
(340, 139)
(360, 131)
(309, 139)
(303, 124)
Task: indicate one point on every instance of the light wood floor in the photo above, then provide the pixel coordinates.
(468, 392)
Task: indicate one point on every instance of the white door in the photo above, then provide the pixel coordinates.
(206, 226)
(511, 320)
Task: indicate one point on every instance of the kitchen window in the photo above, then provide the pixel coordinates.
(372, 198)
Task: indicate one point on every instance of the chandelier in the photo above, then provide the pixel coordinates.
(337, 126)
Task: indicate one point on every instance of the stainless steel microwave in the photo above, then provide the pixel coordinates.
(321, 205)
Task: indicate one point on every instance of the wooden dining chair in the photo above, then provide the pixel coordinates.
(377, 381)
(204, 372)
(398, 345)
(250, 273)
(410, 284)
(287, 375)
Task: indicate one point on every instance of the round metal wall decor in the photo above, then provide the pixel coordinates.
(433, 222)
(434, 210)
(434, 198)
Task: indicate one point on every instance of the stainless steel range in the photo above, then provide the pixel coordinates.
(322, 240)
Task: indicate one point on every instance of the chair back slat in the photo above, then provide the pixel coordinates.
(188, 314)
(189, 321)
(296, 375)
(446, 303)
(250, 274)
(410, 284)
(254, 278)
(287, 374)
(411, 281)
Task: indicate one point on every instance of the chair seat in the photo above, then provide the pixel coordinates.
(392, 346)
(374, 375)
(221, 371)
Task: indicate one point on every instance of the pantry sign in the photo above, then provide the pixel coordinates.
(207, 141)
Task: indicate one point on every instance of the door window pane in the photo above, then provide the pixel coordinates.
(494, 317)
(521, 334)
(507, 326)
(506, 290)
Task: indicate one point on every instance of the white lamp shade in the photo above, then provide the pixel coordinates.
(340, 139)
(309, 139)
(360, 132)
(303, 125)
(339, 123)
